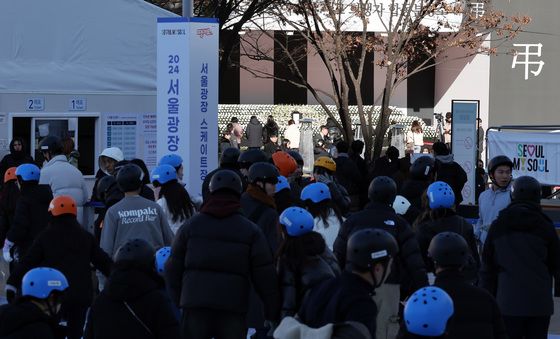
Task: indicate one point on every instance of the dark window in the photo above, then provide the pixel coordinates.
(284, 92)
(229, 75)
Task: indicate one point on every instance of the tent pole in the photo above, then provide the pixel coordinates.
(188, 8)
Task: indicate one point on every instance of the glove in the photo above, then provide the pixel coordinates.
(10, 293)
(271, 325)
(6, 250)
(324, 178)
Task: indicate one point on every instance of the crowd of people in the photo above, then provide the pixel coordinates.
(356, 250)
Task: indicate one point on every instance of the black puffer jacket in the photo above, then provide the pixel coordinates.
(144, 293)
(476, 313)
(296, 283)
(25, 320)
(452, 173)
(450, 222)
(409, 259)
(31, 216)
(413, 190)
(348, 175)
(67, 247)
(521, 256)
(14, 159)
(254, 132)
(8, 202)
(215, 256)
(265, 216)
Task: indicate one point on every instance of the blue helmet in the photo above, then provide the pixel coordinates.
(172, 159)
(161, 257)
(28, 172)
(440, 195)
(40, 282)
(297, 221)
(316, 192)
(282, 184)
(427, 311)
(163, 174)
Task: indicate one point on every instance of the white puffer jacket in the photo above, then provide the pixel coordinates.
(64, 179)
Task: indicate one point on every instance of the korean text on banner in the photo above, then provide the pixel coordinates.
(533, 154)
(464, 142)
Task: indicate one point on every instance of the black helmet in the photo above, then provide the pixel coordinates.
(497, 161)
(129, 178)
(263, 171)
(297, 157)
(369, 246)
(229, 157)
(52, 144)
(422, 168)
(226, 180)
(137, 252)
(252, 156)
(382, 190)
(449, 249)
(104, 185)
(526, 188)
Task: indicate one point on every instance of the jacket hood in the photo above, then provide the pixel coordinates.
(522, 216)
(131, 283)
(221, 205)
(15, 317)
(254, 121)
(17, 154)
(446, 159)
(40, 193)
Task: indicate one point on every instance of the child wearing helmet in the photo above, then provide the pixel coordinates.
(348, 297)
(283, 194)
(34, 314)
(327, 217)
(172, 197)
(304, 261)
(427, 313)
(69, 248)
(324, 170)
(31, 215)
(440, 216)
(9, 196)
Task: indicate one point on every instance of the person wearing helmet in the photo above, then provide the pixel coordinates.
(421, 175)
(348, 175)
(9, 196)
(18, 155)
(297, 180)
(440, 216)
(134, 216)
(247, 159)
(60, 175)
(67, 247)
(174, 160)
(327, 218)
(370, 254)
(35, 313)
(449, 171)
(496, 198)
(222, 252)
(283, 194)
(31, 215)
(108, 194)
(428, 312)
(228, 160)
(284, 162)
(134, 303)
(521, 256)
(324, 170)
(476, 314)
(304, 260)
(173, 197)
(402, 207)
(379, 214)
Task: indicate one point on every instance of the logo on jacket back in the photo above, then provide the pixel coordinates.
(389, 223)
(140, 215)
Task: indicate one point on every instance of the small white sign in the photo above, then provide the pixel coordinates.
(35, 104)
(77, 104)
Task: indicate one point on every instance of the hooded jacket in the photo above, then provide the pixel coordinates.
(452, 173)
(14, 159)
(143, 292)
(254, 133)
(24, 320)
(269, 129)
(521, 256)
(64, 179)
(8, 201)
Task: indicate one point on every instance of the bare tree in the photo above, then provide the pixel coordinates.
(413, 35)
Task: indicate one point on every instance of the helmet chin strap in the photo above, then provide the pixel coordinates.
(376, 283)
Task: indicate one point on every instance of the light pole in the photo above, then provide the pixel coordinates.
(188, 8)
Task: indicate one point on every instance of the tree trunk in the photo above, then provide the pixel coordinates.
(385, 114)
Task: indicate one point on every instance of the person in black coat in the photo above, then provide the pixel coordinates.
(421, 175)
(254, 132)
(270, 128)
(386, 165)
(520, 258)
(18, 155)
(348, 175)
(438, 217)
(379, 214)
(31, 215)
(9, 195)
(35, 313)
(134, 303)
(349, 296)
(214, 259)
(67, 247)
(449, 171)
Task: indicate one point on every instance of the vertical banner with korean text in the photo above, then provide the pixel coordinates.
(464, 142)
(187, 95)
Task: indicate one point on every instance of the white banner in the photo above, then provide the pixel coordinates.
(533, 154)
(187, 95)
(464, 143)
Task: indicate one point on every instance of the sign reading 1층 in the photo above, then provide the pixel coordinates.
(35, 104)
(77, 104)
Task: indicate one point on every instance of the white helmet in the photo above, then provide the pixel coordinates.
(114, 153)
(401, 205)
